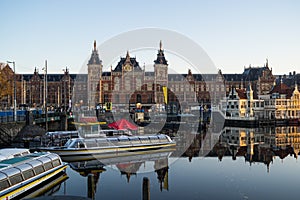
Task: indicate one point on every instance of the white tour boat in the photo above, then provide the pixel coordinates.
(21, 174)
(91, 148)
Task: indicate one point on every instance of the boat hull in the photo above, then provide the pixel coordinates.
(34, 183)
(69, 155)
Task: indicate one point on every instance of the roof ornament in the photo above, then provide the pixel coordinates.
(127, 56)
(160, 45)
(267, 63)
(94, 45)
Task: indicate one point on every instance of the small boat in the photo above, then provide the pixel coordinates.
(21, 174)
(8, 153)
(91, 148)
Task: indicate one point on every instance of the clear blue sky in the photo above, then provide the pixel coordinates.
(233, 33)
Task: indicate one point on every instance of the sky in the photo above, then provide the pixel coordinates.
(233, 33)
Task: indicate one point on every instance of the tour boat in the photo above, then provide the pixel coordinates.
(91, 148)
(8, 153)
(21, 174)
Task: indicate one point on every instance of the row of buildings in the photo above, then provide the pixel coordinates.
(129, 83)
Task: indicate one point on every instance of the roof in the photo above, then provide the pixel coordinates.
(282, 88)
(122, 124)
(127, 60)
(253, 73)
(241, 93)
(3, 65)
(95, 60)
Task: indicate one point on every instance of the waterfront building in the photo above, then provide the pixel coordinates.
(283, 102)
(128, 83)
(261, 79)
(241, 104)
(59, 89)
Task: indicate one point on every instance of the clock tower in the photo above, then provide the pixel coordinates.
(160, 75)
(94, 77)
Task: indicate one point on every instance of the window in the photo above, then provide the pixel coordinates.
(28, 174)
(4, 184)
(16, 179)
(56, 163)
(39, 169)
(48, 166)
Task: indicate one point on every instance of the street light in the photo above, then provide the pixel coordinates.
(15, 95)
(45, 94)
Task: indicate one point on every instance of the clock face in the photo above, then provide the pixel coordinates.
(127, 68)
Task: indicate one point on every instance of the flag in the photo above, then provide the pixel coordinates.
(165, 91)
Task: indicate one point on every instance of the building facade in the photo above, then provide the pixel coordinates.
(128, 83)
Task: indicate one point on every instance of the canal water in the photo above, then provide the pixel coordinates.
(242, 164)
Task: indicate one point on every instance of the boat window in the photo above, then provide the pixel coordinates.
(102, 143)
(80, 144)
(48, 166)
(134, 139)
(39, 169)
(56, 163)
(68, 143)
(28, 174)
(4, 184)
(153, 137)
(16, 179)
(113, 140)
(123, 139)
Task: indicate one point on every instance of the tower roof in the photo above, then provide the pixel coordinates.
(95, 60)
(160, 56)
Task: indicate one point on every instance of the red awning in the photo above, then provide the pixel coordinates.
(122, 124)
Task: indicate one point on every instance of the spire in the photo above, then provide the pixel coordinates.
(160, 45)
(267, 64)
(95, 56)
(160, 56)
(127, 59)
(36, 71)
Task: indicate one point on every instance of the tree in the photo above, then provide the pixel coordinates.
(6, 86)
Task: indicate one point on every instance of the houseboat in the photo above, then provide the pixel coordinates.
(20, 175)
(91, 148)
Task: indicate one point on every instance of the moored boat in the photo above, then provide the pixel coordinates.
(91, 148)
(8, 153)
(21, 174)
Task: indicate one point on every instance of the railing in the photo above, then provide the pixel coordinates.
(8, 116)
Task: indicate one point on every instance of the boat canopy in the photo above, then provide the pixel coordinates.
(117, 141)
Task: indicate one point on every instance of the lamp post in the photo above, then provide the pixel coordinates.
(45, 95)
(15, 95)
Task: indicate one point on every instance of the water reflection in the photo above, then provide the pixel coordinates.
(260, 145)
(227, 157)
(128, 166)
(49, 188)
